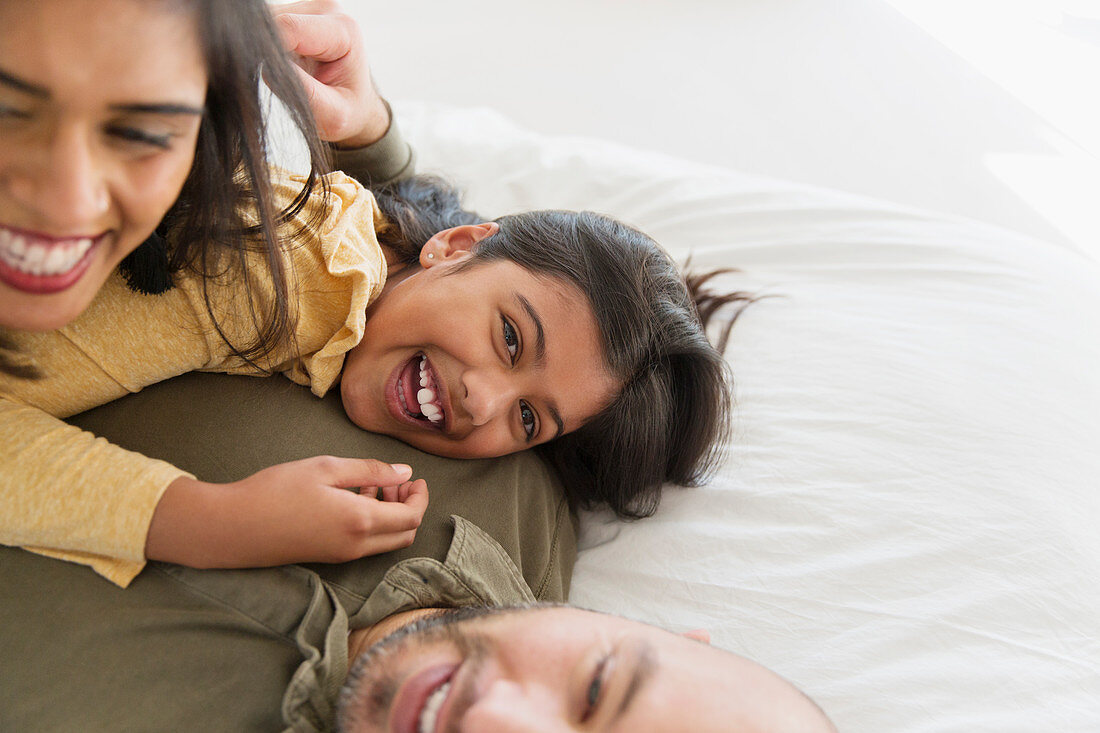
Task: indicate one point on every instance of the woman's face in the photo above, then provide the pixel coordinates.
(100, 104)
(477, 362)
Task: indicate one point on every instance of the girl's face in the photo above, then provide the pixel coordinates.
(100, 104)
(477, 362)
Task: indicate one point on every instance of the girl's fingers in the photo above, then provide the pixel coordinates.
(391, 493)
(388, 517)
(349, 473)
(389, 542)
(415, 495)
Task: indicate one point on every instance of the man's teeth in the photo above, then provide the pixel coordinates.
(431, 709)
(426, 396)
(35, 257)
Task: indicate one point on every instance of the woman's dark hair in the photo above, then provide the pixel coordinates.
(227, 205)
(668, 422)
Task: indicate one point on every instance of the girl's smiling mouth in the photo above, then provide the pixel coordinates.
(419, 393)
(40, 264)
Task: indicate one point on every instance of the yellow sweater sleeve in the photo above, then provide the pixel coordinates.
(66, 493)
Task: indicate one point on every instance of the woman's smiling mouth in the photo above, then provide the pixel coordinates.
(37, 263)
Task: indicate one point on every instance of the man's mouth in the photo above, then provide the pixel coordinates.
(430, 712)
(419, 703)
(419, 392)
(40, 264)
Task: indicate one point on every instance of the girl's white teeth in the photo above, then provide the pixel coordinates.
(431, 708)
(426, 396)
(40, 258)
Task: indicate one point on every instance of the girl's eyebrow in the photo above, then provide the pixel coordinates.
(540, 334)
(164, 108)
(556, 417)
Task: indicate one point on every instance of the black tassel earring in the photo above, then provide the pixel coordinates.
(146, 268)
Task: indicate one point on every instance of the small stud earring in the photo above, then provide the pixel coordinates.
(431, 255)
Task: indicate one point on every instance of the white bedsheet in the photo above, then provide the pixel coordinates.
(906, 525)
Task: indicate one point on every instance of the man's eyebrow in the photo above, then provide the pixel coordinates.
(644, 668)
(23, 86)
(540, 355)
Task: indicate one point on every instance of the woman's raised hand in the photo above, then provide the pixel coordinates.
(292, 512)
(328, 48)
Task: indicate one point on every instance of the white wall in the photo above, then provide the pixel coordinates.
(849, 94)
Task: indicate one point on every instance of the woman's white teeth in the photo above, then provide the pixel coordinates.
(431, 708)
(426, 396)
(35, 257)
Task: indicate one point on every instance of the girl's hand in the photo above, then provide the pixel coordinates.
(327, 46)
(289, 513)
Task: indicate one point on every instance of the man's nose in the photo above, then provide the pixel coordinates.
(64, 180)
(488, 393)
(508, 707)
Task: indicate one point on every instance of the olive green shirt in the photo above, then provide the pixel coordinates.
(195, 650)
(262, 649)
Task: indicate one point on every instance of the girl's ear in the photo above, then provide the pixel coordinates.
(455, 243)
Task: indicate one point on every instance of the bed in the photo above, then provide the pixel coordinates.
(905, 524)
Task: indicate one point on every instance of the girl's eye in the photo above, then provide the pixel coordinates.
(140, 137)
(592, 694)
(527, 417)
(511, 339)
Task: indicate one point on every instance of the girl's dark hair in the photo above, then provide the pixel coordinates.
(669, 421)
(227, 205)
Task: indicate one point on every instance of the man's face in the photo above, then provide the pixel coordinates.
(562, 669)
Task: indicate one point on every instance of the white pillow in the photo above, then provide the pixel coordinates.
(906, 526)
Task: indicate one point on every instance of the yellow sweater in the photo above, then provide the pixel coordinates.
(66, 493)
